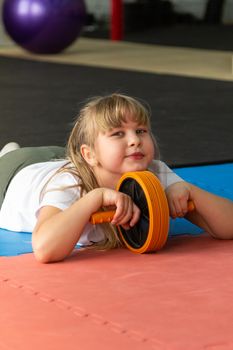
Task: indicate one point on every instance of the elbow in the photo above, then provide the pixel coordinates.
(43, 255)
(41, 258)
(222, 235)
(40, 249)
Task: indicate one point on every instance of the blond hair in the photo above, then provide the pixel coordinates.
(100, 114)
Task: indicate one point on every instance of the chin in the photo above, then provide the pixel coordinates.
(136, 168)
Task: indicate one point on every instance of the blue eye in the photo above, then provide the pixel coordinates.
(118, 133)
(141, 131)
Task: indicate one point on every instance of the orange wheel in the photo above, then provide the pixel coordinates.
(151, 231)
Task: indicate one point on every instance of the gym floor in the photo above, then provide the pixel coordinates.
(191, 62)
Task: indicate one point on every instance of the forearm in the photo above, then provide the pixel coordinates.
(213, 213)
(57, 233)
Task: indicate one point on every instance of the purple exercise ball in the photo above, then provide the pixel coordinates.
(44, 26)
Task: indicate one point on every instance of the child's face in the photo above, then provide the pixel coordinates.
(127, 148)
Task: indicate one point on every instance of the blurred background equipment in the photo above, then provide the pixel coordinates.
(44, 26)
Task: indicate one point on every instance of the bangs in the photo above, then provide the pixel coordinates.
(111, 112)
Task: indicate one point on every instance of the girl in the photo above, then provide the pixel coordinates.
(55, 198)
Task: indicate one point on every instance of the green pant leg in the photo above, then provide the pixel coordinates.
(12, 162)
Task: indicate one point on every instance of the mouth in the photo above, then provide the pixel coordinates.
(136, 155)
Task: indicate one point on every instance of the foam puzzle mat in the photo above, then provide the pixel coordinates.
(177, 299)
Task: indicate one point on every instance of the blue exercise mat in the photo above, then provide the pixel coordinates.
(14, 243)
(214, 178)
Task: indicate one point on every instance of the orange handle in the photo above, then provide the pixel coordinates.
(101, 217)
(106, 216)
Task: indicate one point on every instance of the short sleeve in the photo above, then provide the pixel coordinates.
(166, 176)
(61, 191)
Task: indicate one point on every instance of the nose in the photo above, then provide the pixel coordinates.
(134, 139)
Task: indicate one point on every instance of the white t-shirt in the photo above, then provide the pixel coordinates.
(25, 195)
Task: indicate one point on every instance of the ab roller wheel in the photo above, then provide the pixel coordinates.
(151, 231)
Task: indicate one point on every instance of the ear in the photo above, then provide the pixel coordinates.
(89, 155)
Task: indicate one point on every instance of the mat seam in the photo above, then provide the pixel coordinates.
(82, 313)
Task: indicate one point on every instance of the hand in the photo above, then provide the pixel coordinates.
(127, 213)
(178, 195)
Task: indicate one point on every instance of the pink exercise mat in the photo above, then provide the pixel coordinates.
(177, 299)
